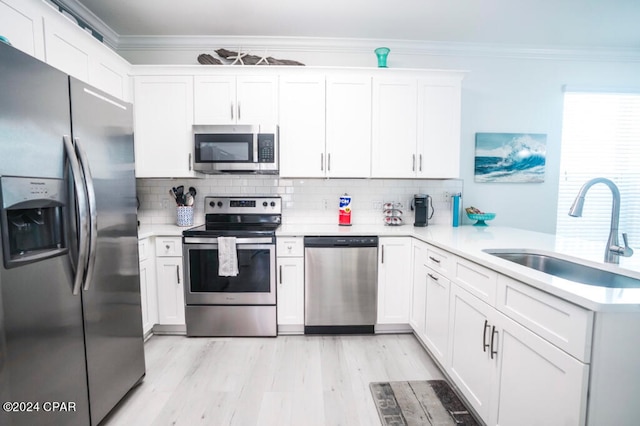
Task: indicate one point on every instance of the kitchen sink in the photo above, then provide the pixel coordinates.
(564, 268)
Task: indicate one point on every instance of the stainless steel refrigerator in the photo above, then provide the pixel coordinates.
(70, 316)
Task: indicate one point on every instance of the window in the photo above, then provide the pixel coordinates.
(600, 138)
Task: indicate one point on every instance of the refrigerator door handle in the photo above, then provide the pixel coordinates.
(81, 202)
(93, 213)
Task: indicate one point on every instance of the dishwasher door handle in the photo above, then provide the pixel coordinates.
(382, 253)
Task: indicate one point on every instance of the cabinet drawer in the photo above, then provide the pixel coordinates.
(564, 324)
(440, 261)
(143, 249)
(476, 279)
(168, 246)
(290, 247)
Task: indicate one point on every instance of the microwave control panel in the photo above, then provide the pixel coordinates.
(266, 148)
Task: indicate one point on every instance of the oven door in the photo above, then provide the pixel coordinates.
(255, 283)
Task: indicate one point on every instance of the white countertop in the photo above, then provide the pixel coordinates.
(469, 241)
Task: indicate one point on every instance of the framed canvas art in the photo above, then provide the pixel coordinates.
(510, 157)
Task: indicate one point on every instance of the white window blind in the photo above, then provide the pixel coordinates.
(600, 138)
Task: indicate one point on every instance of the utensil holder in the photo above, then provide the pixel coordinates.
(184, 215)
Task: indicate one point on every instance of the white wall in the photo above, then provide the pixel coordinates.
(505, 91)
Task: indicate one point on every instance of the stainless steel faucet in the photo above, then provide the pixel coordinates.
(613, 251)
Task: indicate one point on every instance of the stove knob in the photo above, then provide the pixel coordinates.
(273, 204)
(219, 203)
(212, 203)
(264, 204)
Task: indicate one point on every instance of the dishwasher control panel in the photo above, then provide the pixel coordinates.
(340, 241)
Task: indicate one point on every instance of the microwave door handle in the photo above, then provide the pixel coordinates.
(255, 142)
(93, 213)
(83, 224)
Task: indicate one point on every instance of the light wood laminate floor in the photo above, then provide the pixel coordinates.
(288, 380)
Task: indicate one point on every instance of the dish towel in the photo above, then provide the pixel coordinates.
(227, 257)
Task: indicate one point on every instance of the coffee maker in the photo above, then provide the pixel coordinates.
(421, 204)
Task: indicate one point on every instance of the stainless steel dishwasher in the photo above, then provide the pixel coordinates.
(341, 285)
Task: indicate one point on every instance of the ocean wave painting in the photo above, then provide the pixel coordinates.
(510, 157)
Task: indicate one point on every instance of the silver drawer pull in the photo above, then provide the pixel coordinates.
(433, 277)
(433, 259)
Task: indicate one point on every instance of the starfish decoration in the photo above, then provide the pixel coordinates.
(263, 59)
(238, 58)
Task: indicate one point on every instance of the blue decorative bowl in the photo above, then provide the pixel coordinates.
(481, 217)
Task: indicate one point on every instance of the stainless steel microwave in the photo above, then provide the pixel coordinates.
(236, 149)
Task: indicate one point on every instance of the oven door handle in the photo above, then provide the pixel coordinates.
(239, 241)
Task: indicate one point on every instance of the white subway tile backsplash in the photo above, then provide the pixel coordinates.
(304, 200)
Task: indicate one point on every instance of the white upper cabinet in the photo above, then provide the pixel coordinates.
(416, 126)
(21, 24)
(229, 99)
(302, 125)
(439, 109)
(74, 51)
(348, 126)
(393, 152)
(163, 111)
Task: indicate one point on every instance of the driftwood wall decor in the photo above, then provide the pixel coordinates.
(240, 58)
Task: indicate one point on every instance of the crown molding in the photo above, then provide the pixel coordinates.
(404, 47)
(110, 37)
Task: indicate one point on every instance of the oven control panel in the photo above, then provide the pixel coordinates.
(243, 205)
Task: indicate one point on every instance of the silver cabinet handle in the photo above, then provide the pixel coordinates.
(382, 254)
(167, 247)
(493, 335)
(82, 206)
(190, 162)
(280, 274)
(178, 273)
(413, 167)
(329, 162)
(485, 345)
(420, 168)
(239, 117)
(433, 277)
(231, 108)
(93, 212)
(322, 161)
(433, 259)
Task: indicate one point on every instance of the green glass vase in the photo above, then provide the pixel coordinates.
(382, 53)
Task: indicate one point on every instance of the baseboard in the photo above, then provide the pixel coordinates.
(179, 329)
(290, 329)
(393, 329)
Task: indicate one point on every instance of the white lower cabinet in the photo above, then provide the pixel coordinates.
(509, 375)
(417, 316)
(290, 289)
(436, 333)
(148, 293)
(170, 281)
(394, 280)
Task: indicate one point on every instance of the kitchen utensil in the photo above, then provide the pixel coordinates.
(188, 199)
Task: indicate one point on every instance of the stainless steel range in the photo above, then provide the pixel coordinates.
(221, 302)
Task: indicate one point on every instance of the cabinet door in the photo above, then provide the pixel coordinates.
(439, 109)
(215, 100)
(163, 126)
(348, 124)
(110, 73)
(419, 293)
(67, 47)
(21, 23)
(302, 126)
(538, 384)
(257, 100)
(148, 295)
(290, 291)
(170, 291)
(437, 314)
(470, 349)
(394, 128)
(394, 281)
